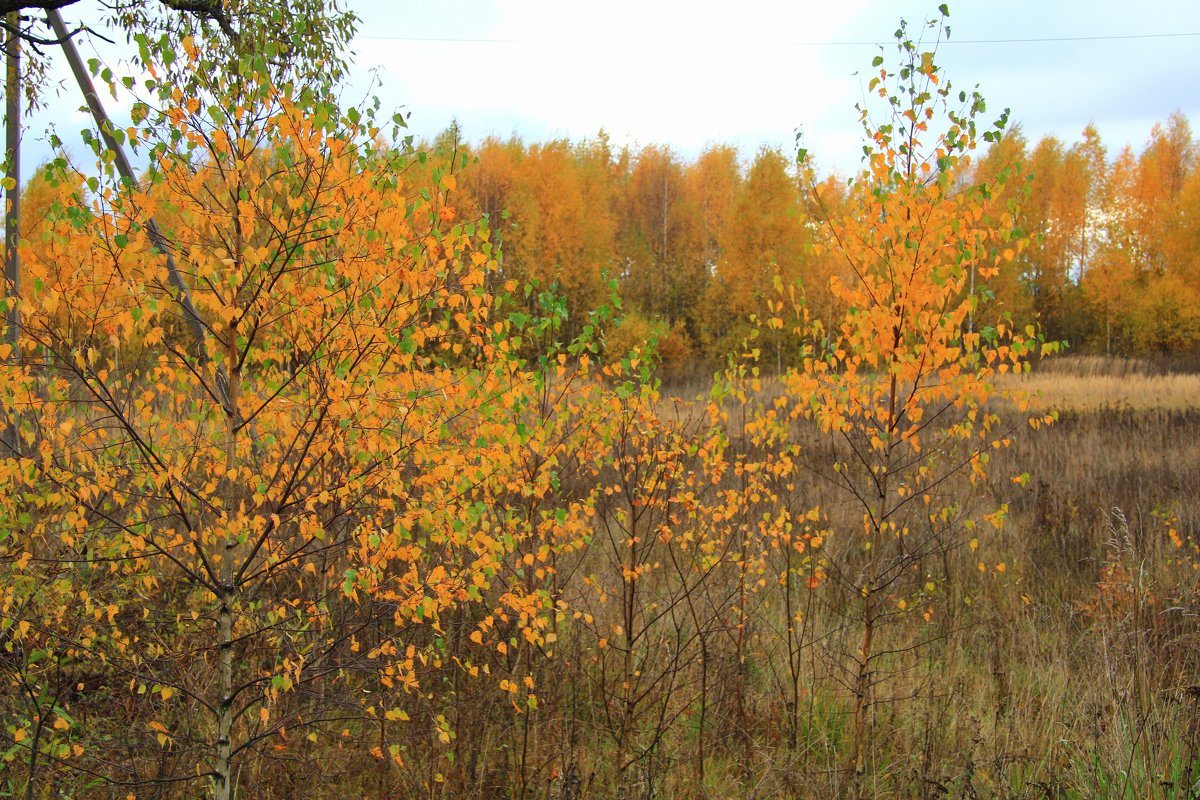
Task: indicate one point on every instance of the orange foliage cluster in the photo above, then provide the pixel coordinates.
(1111, 264)
(693, 247)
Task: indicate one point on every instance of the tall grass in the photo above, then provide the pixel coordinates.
(1136, 391)
(1072, 673)
(1061, 657)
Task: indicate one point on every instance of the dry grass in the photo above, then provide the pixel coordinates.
(1073, 673)
(1073, 383)
(1093, 383)
(1133, 391)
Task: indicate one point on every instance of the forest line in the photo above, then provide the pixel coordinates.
(1113, 264)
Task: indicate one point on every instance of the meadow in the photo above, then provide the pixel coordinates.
(1059, 658)
(1054, 655)
(1071, 673)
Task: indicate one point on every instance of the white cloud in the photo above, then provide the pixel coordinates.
(681, 73)
(691, 73)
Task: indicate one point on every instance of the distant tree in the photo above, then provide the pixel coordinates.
(659, 242)
(764, 236)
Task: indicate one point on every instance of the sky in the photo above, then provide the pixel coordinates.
(752, 73)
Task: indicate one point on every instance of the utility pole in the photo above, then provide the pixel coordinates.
(125, 170)
(10, 436)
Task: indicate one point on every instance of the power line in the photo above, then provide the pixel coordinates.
(1048, 39)
(1072, 38)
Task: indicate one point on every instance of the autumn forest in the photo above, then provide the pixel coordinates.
(335, 463)
(693, 247)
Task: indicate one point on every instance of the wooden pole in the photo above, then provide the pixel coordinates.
(125, 170)
(10, 436)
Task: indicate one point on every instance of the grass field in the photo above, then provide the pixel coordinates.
(695, 653)
(1062, 659)
(1075, 672)
(1103, 645)
(1094, 383)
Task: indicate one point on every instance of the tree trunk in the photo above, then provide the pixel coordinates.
(862, 687)
(862, 684)
(228, 590)
(223, 768)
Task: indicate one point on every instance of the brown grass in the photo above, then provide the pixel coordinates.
(1074, 673)
(1138, 391)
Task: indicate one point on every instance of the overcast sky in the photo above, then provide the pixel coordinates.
(750, 73)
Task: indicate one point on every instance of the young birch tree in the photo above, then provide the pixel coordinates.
(902, 380)
(242, 533)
